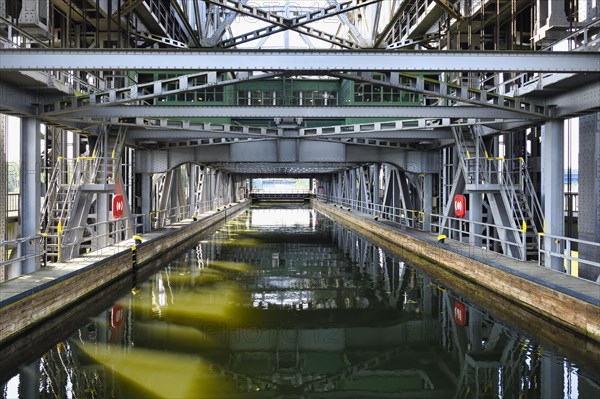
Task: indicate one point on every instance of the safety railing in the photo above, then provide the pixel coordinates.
(12, 204)
(119, 230)
(465, 231)
(116, 232)
(459, 229)
(395, 215)
(568, 249)
(13, 251)
(572, 202)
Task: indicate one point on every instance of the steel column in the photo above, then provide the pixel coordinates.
(193, 174)
(588, 223)
(553, 186)
(3, 194)
(30, 193)
(427, 200)
(475, 217)
(376, 199)
(146, 197)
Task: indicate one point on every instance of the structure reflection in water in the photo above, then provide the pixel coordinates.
(282, 302)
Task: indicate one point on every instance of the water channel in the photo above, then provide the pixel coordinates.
(283, 302)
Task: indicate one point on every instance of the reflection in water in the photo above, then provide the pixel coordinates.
(282, 302)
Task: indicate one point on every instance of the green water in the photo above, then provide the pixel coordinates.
(281, 302)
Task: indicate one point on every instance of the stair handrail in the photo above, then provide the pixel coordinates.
(509, 187)
(462, 148)
(73, 185)
(117, 152)
(536, 208)
(50, 197)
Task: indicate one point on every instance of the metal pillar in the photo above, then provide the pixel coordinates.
(3, 194)
(193, 173)
(30, 193)
(146, 182)
(475, 215)
(427, 200)
(553, 186)
(353, 189)
(376, 200)
(589, 192)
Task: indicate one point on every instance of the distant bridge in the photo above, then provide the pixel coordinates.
(281, 194)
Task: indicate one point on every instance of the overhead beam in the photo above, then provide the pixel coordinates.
(178, 111)
(149, 91)
(298, 60)
(456, 94)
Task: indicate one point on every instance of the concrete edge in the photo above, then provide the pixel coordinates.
(585, 321)
(13, 319)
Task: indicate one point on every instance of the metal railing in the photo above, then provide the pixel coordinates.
(399, 216)
(12, 250)
(463, 230)
(117, 231)
(552, 246)
(121, 229)
(459, 228)
(571, 203)
(12, 204)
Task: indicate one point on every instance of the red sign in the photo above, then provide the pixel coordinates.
(118, 205)
(460, 313)
(460, 205)
(116, 315)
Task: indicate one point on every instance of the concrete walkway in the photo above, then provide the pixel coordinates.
(585, 290)
(570, 301)
(28, 284)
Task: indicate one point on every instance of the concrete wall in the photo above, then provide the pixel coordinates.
(477, 279)
(41, 303)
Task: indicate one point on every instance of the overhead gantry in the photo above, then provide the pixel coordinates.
(168, 117)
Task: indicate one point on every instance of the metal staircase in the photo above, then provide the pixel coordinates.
(71, 196)
(509, 191)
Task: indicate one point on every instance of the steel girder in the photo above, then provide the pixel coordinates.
(299, 60)
(306, 156)
(454, 93)
(406, 136)
(178, 111)
(304, 30)
(149, 91)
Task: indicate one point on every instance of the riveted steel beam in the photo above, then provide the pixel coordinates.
(456, 94)
(304, 30)
(148, 91)
(178, 111)
(298, 60)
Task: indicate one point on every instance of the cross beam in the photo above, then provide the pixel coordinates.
(298, 60)
(178, 111)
